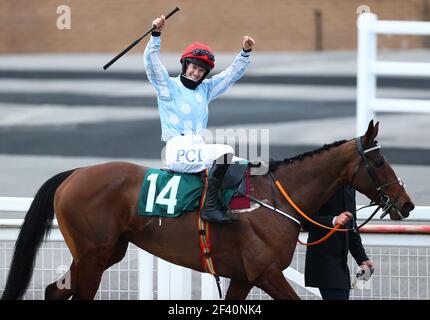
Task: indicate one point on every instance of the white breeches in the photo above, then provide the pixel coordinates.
(190, 153)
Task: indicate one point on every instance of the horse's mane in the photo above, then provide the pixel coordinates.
(273, 164)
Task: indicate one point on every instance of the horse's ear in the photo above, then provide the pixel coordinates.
(376, 129)
(371, 133)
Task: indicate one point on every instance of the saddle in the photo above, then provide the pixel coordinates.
(167, 193)
(238, 174)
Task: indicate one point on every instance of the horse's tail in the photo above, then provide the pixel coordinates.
(37, 223)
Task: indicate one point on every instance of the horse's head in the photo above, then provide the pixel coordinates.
(374, 177)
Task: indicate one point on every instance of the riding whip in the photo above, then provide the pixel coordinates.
(123, 52)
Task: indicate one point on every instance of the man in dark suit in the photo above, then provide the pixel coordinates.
(326, 264)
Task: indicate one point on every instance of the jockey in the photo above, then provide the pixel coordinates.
(183, 106)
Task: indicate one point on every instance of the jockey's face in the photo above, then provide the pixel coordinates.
(194, 72)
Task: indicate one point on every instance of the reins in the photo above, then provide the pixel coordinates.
(304, 215)
(386, 205)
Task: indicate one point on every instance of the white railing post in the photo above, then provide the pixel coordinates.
(163, 279)
(146, 278)
(368, 68)
(180, 283)
(366, 78)
(174, 282)
(209, 287)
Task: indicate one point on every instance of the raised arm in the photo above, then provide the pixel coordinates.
(219, 83)
(156, 72)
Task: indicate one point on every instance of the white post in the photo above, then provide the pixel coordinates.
(146, 279)
(180, 283)
(174, 282)
(366, 78)
(163, 279)
(209, 287)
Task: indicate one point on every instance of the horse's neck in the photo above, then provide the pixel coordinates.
(312, 181)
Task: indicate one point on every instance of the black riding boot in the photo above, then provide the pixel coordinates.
(214, 210)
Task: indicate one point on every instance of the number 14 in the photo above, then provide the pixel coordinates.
(171, 186)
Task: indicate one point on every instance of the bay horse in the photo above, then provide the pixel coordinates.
(96, 208)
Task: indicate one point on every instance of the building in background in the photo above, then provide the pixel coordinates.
(277, 25)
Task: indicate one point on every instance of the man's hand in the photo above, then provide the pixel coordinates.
(159, 23)
(343, 218)
(368, 264)
(248, 42)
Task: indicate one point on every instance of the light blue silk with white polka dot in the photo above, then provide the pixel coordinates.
(182, 110)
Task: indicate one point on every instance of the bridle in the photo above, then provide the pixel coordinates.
(385, 202)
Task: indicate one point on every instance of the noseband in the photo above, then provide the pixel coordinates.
(385, 201)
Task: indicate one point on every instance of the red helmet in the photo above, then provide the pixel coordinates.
(199, 54)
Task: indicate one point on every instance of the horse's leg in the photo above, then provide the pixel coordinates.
(118, 253)
(53, 292)
(273, 282)
(238, 289)
(89, 271)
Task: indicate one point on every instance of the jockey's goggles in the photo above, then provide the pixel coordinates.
(203, 52)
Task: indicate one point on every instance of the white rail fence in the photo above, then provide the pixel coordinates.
(403, 262)
(368, 68)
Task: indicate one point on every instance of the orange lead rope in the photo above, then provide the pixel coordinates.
(291, 202)
(328, 235)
